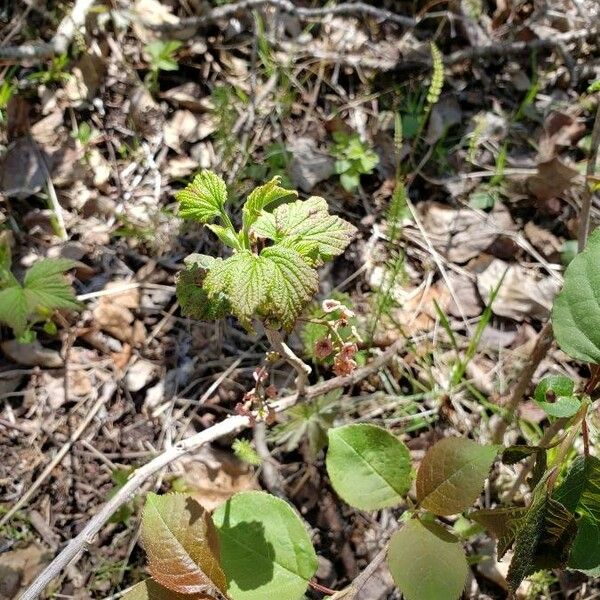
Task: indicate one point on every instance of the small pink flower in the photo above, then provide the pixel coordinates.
(271, 392)
(323, 348)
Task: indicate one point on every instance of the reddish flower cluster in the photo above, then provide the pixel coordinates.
(255, 403)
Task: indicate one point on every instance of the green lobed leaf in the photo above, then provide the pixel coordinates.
(277, 284)
(452, 473)
(292, 286)
(576, 310)
(193, 299)
(427, 562)
(150, 590)
(307, 227)
(182, 545)
(369, 467)
(266, 551)
(580, 494)
(543, 540)
(14, 309)
(261, 197)
(204, 198)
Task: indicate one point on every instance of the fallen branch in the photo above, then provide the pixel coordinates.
(304, 14)
(230, 425)
(59, 42)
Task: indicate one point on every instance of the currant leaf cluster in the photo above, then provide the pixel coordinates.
(272, 272)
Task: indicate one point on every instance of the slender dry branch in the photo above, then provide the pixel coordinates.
(542, 345)
(301, 368)
(305, 14)
(586, 202)
(230, 425)
(59, 42)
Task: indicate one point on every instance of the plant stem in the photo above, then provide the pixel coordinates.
(301, 368)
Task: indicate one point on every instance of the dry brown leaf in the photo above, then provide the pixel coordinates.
(185, 126)
(462, 234)
(560, 129)
(18, 568)
(552, 178)
(188, 95)
(212, 476)
(522, 294)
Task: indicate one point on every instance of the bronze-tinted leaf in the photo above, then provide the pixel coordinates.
(452, 474)
(182, 546)
(502, 523)
(150, 590)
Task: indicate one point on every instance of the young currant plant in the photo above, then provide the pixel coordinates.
(271, 275)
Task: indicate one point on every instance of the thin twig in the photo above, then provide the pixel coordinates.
(59, 42)
(305, 14)
(302, 369)
(586, 200)
(230, 425)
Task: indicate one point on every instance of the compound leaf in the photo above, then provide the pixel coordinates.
(204, 198)
(182, 545)
(544, 539)
(307, 227)
(150, 590)
(261, 197)
(266, 551)
(45, 285)
(576, 311)
(452, 474)
(369, 467)
(14, 309)
(427, 562)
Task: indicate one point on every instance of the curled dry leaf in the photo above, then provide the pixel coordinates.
(462, 234)
(522, 294)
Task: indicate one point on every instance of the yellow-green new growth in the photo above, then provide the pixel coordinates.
(271, 274)
(437, 76)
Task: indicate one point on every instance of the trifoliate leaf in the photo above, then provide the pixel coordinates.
(427, 562)
(44, 289)
(266, 551)
(277, 284)
(204, 198)
(193, 299)
(452, 474)
(576, 311)
(368, 466)
(182, 545)
(307, 227)
(261, 197)
(544, 539)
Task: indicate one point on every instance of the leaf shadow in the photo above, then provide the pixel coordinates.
(246, 556)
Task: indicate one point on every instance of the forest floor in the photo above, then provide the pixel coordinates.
(98, 134)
